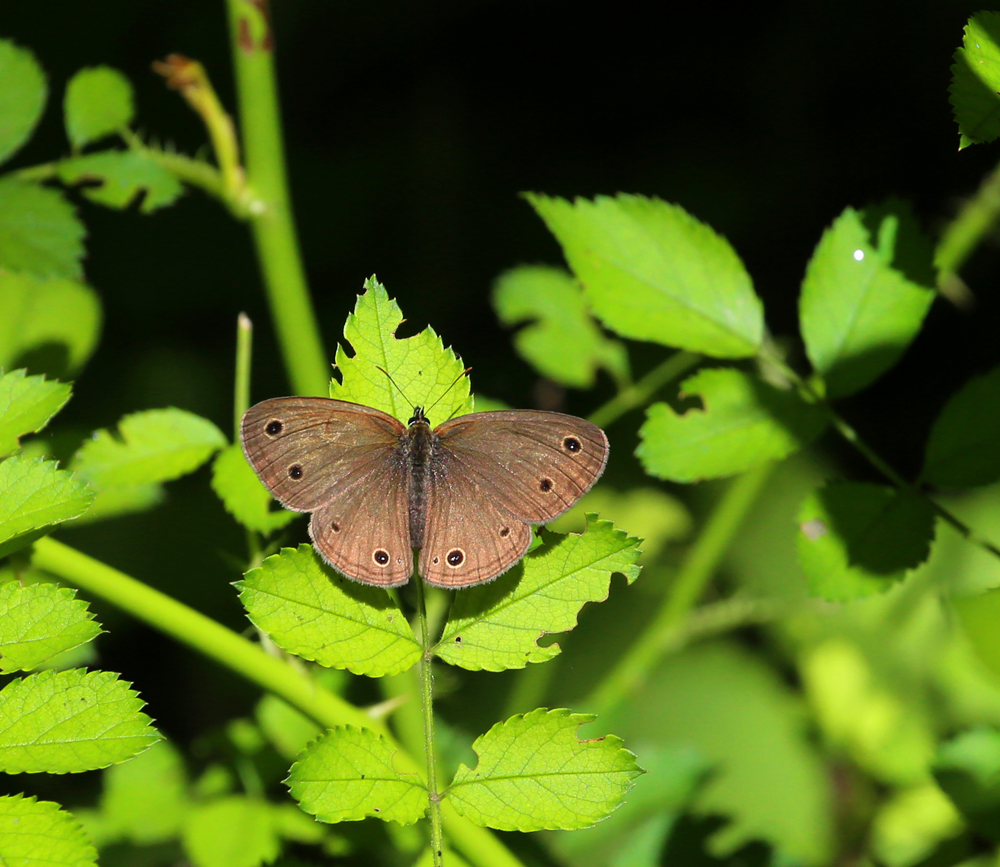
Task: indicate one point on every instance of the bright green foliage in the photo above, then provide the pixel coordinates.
(975, 81)
(287, 729)
(22, 96)
(244, 497)
(38, 312)
(26, 405)
(979, 616)
(563, 342)
(964, 446)
(123, 176)
(424, 371)
(38, 621)
(859, 312)
(744, 422)
(318, 614)
(123, 500)
(496, 626)
(348, 775)
(857, 538)
(98, 103)
(534, 773)
(39, 231)
(766, 775)
(449, 858)
(39, 834)
(291, 823)
(61, 722)
(35, 496)
(145, 800)
(968, 769)
(156, 445)
(654, 272)
(237, 831)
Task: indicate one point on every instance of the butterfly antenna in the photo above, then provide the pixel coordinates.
(403, 393)
(449, 388)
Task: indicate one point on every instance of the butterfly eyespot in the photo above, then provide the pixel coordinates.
(456, 557)
(505, 532)
(436, 560)
(335, 526)
(381, 557)
(571, 444)
(545, 485)
(295, 472)
(273, 428)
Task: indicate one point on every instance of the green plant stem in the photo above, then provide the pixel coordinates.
(976, 219)
(640, 392)
(699, 566)
(252, 40)
(241, 396)
(427, 705)
(479, 846)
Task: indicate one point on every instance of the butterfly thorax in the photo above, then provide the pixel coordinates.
(419, 447)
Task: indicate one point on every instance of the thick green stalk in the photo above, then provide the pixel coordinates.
(252, 41)
(478, 845)
(640, 392)
(699, 566)
(427, 706)
(241, 396)
(973, 223)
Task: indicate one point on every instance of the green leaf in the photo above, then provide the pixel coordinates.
(496, 626)
(288, 729)
(744, 422)
(242, 494)
(979, 616)
(318, 614)
(975, 81)
(144, 800)
(60, 722)
(348, 775)
(38, 621)
(155, 445)
(654, 272)
(123, 500)
(425, 373)
(968, 769)
(26, 405)
(22, 96)
(42, 318)
(237, 831)
(859, 313)
(39, 231)
(291, 823)
(563, 342)
(964, 446)
(39, 834)
(34, 497)
(98, 103)
(857, 538)
(534, 773)
(123, 175)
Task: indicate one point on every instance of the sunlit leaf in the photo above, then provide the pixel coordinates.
(26, 405)
(22, 96)
(61, 722)
(318, 614)
(534, 773)
(98, 102)
(653, 272)
(496, 626)
(39, 231)
(237, 831)
(348, 775)
(975, 80)
(40, 834)
(243, 495)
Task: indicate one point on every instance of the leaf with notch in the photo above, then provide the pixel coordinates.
(60, 722)
(744, 422)
(39, 231)
(496, 626)
(34, 497)
(40, 834)
(320, 615)
(975, 81)
(121, 177)
(98, 103)
(423, 370)
(38, 621)
(348, 775)
(242, 494)
(654, 272)
(535, 773)
(562, 342)
(26, 405)
(22, 96)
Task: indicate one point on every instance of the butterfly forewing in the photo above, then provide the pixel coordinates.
(535, 464)
(342, 462)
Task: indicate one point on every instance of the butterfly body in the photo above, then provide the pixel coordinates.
(465, 493)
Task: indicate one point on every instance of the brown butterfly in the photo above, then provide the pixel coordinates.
(465, 493)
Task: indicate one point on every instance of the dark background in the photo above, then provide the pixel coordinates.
(411, 128)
